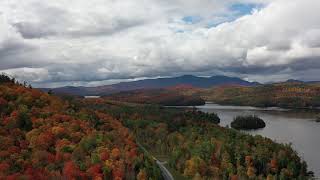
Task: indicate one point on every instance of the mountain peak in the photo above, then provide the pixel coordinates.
(293, 81)
(181, 81)
(187, 76)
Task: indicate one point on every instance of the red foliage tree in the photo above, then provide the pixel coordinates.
(70, 170)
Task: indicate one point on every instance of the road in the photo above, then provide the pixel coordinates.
(165, 172)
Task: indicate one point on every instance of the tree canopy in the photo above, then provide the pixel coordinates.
(248, 122)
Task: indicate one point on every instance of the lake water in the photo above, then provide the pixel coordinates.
(285, 126)
(91, 97)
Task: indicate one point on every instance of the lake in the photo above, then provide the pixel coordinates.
(91, 97)
(284, 126)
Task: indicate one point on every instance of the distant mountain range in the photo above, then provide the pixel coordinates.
(293, 81)
(299, 81)
(186, 80)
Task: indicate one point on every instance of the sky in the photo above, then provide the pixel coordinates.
(55, 43)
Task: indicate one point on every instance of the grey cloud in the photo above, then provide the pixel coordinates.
(80, 42)
(13, 47)
(35, 30)
(39, 19)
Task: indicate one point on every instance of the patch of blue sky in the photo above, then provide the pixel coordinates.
(220, 20)
(236, 10)
(240, 9)
(180, 31)
(192, 19)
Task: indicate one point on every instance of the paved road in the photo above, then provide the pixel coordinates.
(165, 172)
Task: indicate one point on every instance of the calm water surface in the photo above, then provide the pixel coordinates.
(91, 97)
(285, 126)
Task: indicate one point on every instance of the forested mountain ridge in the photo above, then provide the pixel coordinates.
(189, 90)
(287, 95)
(165, 97)
(44, 137)
(199, 82)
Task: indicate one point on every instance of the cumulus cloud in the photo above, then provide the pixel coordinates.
(29, 74)
(83, 42)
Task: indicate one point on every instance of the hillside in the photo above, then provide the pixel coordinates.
(165, 97)
(199, 82)
(197, 148)
(287, 95)
(291, 94)
(44, 137)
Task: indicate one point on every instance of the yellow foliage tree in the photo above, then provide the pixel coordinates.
(142, 175)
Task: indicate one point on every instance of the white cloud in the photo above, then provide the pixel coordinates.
(29, 74)
(83, 41)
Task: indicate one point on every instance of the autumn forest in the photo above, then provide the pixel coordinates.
(45, 136)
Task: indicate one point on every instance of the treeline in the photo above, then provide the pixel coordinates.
(196, 115)
(196, 147)
(44, 137)
(248, 122)
(165, 97)
(4, 78)
(286, 95)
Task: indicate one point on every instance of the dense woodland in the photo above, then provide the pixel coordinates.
(43, 136)
(248, 122)
(198, 148)
(287, 95)
(165, 97)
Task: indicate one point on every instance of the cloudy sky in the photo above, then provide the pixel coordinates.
(79, 42)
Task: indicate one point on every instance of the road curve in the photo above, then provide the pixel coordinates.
(165, 172)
